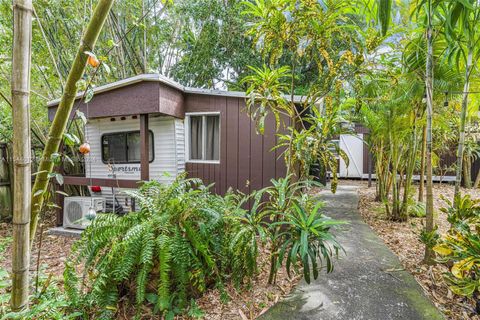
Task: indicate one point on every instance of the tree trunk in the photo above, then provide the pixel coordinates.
(410, 167)
(477, 180)
(463, 116)
(422, 165)
(467, 179)
(21, 65)
(429, 224)
(65, 108)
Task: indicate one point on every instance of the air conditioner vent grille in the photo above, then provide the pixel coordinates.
(74, 212)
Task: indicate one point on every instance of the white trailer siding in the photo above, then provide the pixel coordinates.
(168, 146)
(168, 142)
(180, 145)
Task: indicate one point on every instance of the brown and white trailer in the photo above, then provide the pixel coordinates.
(149, 127)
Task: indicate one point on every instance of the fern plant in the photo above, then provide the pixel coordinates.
(185, 240)
(182, 241)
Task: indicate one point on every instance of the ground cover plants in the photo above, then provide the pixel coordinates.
(185, 240)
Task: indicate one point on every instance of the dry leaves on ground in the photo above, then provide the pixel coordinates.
(403, 240)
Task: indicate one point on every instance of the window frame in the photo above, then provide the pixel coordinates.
(204, 131)
(150, 132)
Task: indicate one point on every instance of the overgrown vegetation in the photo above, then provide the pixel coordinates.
(408, 71)
(185, 240)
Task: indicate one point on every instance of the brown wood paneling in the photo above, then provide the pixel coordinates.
(280, 166)
(139, 98)
(244, 158)
(256, 159)
(220, 103)
(170, 101)
(268, 155)
(232, 143)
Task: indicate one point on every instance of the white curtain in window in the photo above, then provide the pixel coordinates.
(212, 138)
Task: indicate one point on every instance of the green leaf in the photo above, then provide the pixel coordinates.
(384, 13)
(62, 193)
(38, 172)
(107, 68)
(81, 115)
(70, 139)
(56, 158)
(88, 95)
(59, 178)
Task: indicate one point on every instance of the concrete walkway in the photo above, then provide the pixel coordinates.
(367, 283)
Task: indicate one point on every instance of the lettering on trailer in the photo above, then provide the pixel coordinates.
(126, 169)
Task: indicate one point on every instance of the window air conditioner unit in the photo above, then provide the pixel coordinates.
(75, 211)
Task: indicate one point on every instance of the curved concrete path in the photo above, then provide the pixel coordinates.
(367, 283)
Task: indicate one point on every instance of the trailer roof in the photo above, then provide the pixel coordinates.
(167, 81)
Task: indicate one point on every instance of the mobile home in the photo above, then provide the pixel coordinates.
(150, 127)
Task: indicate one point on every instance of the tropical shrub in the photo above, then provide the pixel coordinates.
(460, 248)
(462, 209)
(173, 249)
(185, 240)
(307, 239)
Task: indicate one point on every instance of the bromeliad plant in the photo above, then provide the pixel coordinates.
(307, 239)
(185, 240)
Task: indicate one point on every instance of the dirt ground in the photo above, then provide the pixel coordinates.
(403, 240)
(246, 304)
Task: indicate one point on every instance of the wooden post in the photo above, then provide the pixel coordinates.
(144, 148)
(21, 63)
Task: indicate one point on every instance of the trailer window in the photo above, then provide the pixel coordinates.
(204, 137)
(124, 147)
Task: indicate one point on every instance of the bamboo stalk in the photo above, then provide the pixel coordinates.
(429, 223)
(21, 66)
(64, 110)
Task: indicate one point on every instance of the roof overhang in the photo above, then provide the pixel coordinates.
(145, 93)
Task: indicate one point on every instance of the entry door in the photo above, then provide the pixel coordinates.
(353, 147)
